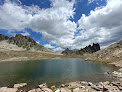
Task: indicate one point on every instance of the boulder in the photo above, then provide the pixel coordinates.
(42, 85)
(58, 90)
(20, 85)
(5, 89)
(46, 90)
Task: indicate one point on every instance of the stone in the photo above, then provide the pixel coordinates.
(82, 87)
(58, 90)
(62, 85)
(83, 83)
(33, 90)
(74, 85)
(20, 85)
(106, 83)
(42, 85)
(38, 90)
(46, 90)
(97, 88)
(65, 90)
(5, 89)
(76, 90)
(90, 84)
(120, 70)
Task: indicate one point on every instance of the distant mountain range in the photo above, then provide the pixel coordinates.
(87, 49)
(21, 47)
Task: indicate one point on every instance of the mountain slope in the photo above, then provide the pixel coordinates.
(111, 54)
(21, 48)
(20, 43)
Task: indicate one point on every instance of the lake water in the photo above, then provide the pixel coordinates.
(52, 71)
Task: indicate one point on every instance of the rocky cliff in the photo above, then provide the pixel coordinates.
(111, 54)
(24, 42)
(68, 51)
(2, 37)
(87, 49)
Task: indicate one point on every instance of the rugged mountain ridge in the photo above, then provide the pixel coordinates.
(111, 54)
(25, 42)
(87, 49)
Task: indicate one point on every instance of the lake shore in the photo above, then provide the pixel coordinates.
(11, 55)
(78, 86)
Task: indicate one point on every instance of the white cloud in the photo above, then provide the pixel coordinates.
(103, 25)
(49, 46)
(38, 42)
(53, 23)
(58, 49)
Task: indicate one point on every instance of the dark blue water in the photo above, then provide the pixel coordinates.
(52, 71)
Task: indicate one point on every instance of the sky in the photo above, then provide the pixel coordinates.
(61, 24)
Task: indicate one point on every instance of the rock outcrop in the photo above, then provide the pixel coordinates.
(111, 54)
(68, 51)
(2, 37)
(21, 40)
(25, 42)
(87, 49)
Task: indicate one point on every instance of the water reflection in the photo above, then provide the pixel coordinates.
(52, 71)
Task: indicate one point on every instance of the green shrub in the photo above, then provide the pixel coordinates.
(24, 47)
(27, 48)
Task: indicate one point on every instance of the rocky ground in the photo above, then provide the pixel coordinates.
(12, 55)
(110, 55)
(80, 86)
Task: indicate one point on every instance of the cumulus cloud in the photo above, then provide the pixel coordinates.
(53, 23)
(103, 25)
(58, 49)
(49, 46)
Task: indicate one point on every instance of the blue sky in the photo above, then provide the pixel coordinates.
(60, 24)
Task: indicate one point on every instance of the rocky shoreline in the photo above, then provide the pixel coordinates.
(80, 86)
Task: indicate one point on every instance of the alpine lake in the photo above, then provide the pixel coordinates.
(53, 71)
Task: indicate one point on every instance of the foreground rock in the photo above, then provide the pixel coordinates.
(81, 86)
(20, 85)
(5, 89)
